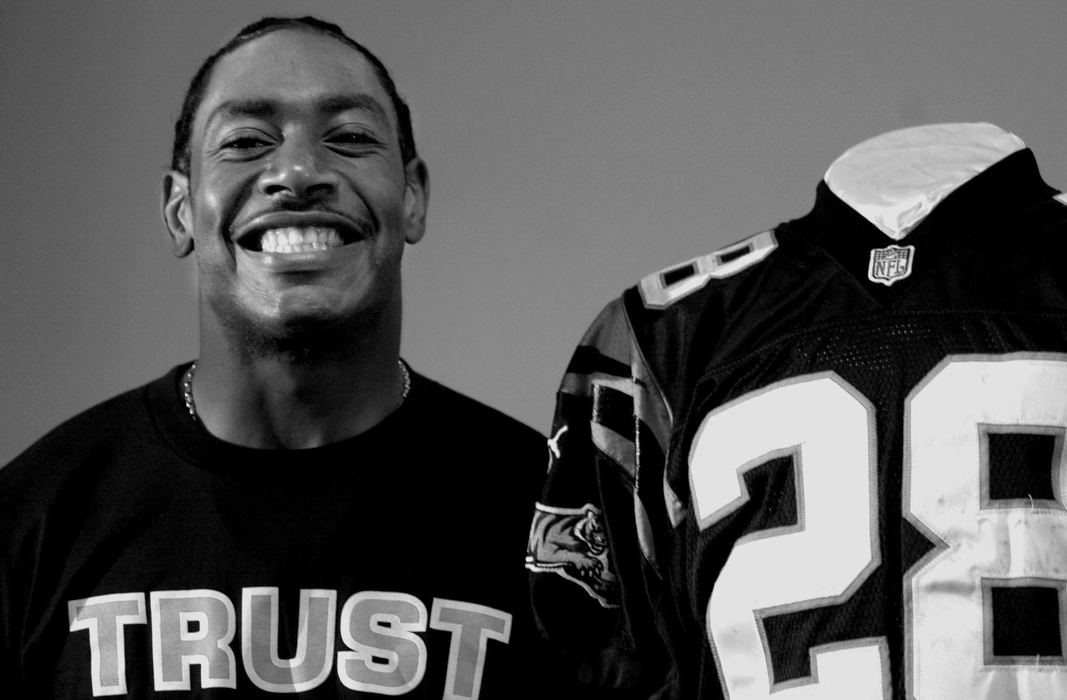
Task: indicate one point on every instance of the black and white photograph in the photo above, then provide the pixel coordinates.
(550, 349)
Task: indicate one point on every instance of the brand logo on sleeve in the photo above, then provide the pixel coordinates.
(890, 264)
(572, 542)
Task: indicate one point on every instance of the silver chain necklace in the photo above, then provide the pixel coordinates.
(190, 405)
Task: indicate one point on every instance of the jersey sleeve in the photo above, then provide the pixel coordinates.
(600, 530)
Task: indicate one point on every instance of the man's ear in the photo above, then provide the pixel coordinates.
(176, 212)
(416, 199)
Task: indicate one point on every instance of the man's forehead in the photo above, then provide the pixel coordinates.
(294, 67)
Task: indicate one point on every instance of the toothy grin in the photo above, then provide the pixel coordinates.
(299, 239)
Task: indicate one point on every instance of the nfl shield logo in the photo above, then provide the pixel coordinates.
(889, 265)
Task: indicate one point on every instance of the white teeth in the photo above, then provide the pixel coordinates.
(293, 239)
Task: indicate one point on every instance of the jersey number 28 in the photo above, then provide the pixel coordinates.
(828, 428)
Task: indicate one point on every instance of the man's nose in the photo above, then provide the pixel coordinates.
(296, 170)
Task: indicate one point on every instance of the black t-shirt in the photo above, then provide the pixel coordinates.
(140, 554)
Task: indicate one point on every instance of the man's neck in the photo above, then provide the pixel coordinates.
(289, 400)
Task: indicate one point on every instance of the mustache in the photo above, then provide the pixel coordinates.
(364, 223)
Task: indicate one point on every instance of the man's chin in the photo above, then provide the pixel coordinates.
(301, 324)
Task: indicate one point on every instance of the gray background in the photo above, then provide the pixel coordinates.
(573, 147)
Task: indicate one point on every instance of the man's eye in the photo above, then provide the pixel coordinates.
(244, 143)
(353, 138)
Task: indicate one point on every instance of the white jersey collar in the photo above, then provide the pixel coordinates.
(896, 179)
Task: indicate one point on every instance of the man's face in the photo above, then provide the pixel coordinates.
(297, 204)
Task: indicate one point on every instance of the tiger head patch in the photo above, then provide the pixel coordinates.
(572, 543)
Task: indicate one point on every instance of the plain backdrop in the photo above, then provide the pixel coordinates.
(573, 147)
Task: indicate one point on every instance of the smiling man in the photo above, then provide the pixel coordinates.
(297, 193)
(297, 511)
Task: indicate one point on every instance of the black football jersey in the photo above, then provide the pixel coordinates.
(828, 461)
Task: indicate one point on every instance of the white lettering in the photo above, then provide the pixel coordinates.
(387, 656)
(313, 660)
(192, 627)
(382, 631)
(104, 617)
(472, 626)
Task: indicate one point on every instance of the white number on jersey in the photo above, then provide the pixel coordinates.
(661, 289)
(828, 428)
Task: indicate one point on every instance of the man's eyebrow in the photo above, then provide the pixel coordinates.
(330, 104)
(362, 102)
(242, 108)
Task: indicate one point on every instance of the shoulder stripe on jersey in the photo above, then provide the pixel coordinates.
(626, 420)
(590, 360)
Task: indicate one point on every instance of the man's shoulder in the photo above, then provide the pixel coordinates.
(453, 407)
(487, 464)
(80, 439)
